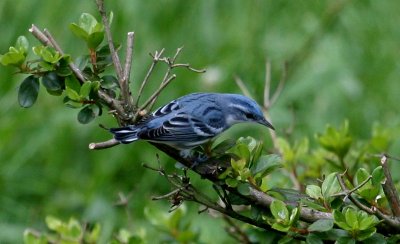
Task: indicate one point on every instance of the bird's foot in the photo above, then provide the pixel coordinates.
(195, 157)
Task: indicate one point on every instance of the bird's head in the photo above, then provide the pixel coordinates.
(244, 109)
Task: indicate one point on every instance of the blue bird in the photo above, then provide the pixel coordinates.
(192, 120)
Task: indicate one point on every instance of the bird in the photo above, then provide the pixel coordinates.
(192, 120)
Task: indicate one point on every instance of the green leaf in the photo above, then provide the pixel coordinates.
(95, 39)
(313, 205)
(294, 216)
(81, 62)
(12, 58)
(238, 165)
(368, 221)
(79, 31)
(52, 82)
(31, 238)
(86, 115)
(361, 175)
(336, 141)
(340, 220)
(85, 89)
(376, 238)
(313, 239)
(244, 189)
(279, 211)
(87, 22)
(314, 192)
(22, 45)
(351, 218)
(242, 151)
(266, 164)
(72, 83)
(93, 235)
(365, 234)
(74, 228)
(321, 225)
(72, 94)
(281, 227)
(330, 186)
(231, 182)
(378, 177)
(222, 147)
(175, 218)
(28, 91)
(345, 240)
(53, 223)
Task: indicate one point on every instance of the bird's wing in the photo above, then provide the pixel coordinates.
(181, 129)
(166, 109)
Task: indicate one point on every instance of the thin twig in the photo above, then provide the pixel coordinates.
(157, 92)
(389, 188)
(114, 55)
(156, 58)
(48, 40)
(167, 76)
(242, 87)
(45, 40)
(267, 85)
(393, 222)
(103, 145)
(281, 85)
(125, 91)
(188, 67)
(346, 193)
(168, 195)
(235, 231)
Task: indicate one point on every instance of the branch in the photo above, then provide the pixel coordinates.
(389, 188)
(114, 55)
(47, 39)
(103, 145)
(124, 83)
(393, 222)
(306, 214)
(156, 58)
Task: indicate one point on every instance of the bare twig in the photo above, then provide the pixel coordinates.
(114, 55)
(389, 188)
(188, 67)
(124, 83)
(281, 85)
(152, 98)
(156, 58)
(306, 214)
(235, 231)
(267, 85)
(48, 40)
(129, 53)
(167, 77)
(391, 221)
(346, 193)
(242, 87)
(103, 145)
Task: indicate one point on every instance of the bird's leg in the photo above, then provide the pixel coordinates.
(194, 156)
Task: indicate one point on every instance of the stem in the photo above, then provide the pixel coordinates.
(389, 188)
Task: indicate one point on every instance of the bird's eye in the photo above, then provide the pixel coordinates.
(250, 116)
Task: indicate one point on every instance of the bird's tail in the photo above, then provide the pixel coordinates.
(125, 135)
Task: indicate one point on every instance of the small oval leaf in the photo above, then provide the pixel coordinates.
(28, 91)
(86, 115)
(52, 82)
(321, 225)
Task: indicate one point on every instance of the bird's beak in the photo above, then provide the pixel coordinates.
(266, 123)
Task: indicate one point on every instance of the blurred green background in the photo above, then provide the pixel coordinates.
(343, 64)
